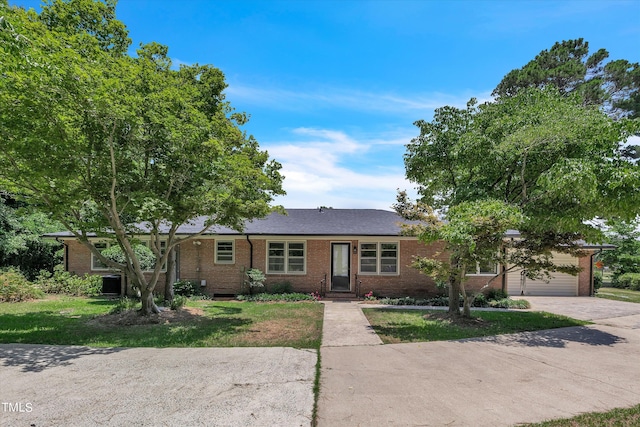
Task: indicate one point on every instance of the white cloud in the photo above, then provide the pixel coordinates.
(335, 97)
(318, 166)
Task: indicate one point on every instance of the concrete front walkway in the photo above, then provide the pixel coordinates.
(346, 325)
(493, 381)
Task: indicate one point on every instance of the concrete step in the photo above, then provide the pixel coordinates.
(348, 296)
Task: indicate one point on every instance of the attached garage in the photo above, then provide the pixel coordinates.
(561, 284)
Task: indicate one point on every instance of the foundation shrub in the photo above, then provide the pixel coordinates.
(187, 288)
(14, 287)
(496, 294)
(265, 297)
(281, 288)
(63, 282)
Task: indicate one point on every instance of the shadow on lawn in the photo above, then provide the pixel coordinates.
(37, 358)
(557, 338)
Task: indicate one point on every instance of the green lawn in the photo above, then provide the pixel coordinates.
(619, 294)
(627, 417)
(398, 326)
(78, 321)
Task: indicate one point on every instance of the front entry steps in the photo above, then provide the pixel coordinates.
(342, 296)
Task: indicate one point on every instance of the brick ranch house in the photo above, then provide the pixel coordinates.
(331, 251)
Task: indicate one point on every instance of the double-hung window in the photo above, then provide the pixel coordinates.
(483, 269)
(286, 257)
(379, 258)
(224, 252)
(96, 264)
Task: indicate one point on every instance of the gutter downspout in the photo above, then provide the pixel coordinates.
(66, 253)
(250, 251)
(592, 291)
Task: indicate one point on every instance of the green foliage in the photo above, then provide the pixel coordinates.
(509, 303)
(21, 244)
(494, 300)
(625, 258)
(281, 288)
(629, 281)
(254, 279)
(14, 287)
(537, 157)
(178, 302)
(597, 280)
(496, 294)
(568, 67)
(125, 304)
(63, 282)
(145, 256)
(187, 288)
(118, 145)
(265, 297)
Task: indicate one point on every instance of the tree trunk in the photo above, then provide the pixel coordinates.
(170, 276)
(454, 287)
(466, 311)
(148, 304)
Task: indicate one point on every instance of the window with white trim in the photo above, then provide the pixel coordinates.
(483, 269)
(96, 264)
(286, 257)
(379, 258)
(224, 252)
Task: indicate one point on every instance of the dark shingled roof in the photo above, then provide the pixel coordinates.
(308, 222)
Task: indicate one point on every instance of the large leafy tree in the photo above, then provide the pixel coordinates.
(625, 258)
(473, 234)
(571, 68)
(549, 156)
(115, 145)
(21, 241)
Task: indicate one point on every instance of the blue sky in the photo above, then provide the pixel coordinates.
(333, 87)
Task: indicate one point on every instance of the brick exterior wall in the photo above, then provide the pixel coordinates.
(197, 262)
(79, 262)
(585, 276)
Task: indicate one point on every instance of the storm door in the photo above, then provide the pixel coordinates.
(340, 267)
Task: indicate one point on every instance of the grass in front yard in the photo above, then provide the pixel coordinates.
(619, 294)
(80, 321)
(398, 326)
(622, 417)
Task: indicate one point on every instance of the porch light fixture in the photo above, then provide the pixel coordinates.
(355, 250)
(197, 242)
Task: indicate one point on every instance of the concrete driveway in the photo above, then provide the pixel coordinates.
(81, 386)
(598, 310)
(495, 381)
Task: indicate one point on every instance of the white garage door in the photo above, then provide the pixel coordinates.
(561, 284)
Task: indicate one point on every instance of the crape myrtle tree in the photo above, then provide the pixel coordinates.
(116, 145)
(540, 161)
